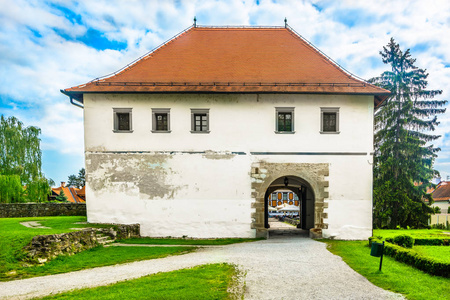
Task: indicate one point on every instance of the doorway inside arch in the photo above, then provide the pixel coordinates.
(289, 207)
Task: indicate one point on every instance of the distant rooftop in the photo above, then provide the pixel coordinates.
(442, 191)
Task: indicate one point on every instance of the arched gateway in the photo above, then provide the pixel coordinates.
(267, 177)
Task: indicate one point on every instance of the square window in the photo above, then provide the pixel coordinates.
(199, 120)
(161, 120)
(122, 120)
(329, 120)
(284, 120)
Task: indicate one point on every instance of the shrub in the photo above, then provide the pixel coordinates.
(408, 256)
(431, 242)
(402, 240)
(441, 226)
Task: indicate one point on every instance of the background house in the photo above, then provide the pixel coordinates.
(73, 194)
(194, 137)
(441, 197)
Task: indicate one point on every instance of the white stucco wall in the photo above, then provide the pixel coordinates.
(159, 181)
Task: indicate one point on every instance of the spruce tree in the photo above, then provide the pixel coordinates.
(404, 153)
(62, 196)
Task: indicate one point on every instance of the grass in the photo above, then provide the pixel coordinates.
(415, 233)
(440, 253)
(14, 236)
(395, 276)
(95, 257)
(202, 282)
(159, 241)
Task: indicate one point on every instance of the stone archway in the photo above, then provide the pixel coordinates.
(263, 174)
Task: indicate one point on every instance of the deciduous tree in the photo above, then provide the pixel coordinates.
(20, 155)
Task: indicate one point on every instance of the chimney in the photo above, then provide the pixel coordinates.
(63, 183)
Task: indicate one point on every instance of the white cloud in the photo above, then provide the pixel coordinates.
(36, 61)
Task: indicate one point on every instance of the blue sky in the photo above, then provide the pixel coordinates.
(46, 46)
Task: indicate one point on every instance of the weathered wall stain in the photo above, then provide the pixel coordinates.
(217, 155)
(147, 172)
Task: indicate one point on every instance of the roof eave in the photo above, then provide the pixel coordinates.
(78, 95)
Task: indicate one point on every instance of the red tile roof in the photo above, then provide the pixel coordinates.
(233, 60)
(442, 192)
(72, 194)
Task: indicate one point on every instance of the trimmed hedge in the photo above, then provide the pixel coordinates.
(432, 242)
(412, 258)
(402, 240)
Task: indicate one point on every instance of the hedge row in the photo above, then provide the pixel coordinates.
(432, 242)
(402, 240)
(412, 258)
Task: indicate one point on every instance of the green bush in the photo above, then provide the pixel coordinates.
(403, 240)
(445, 226)
(408, 256)
(432, 242)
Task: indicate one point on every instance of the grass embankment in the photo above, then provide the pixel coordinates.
(199, 242)
(95, 257)
(14, 236)
(395, 276)
(202, 282)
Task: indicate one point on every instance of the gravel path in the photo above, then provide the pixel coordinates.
(282, 267)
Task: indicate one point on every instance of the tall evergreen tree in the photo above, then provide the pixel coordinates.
(20, 155)
(404, 155)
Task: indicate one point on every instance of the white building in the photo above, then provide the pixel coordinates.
(192, 138)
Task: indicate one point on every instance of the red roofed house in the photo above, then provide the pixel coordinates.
(73, 194)
(441, 196)
(192, 138)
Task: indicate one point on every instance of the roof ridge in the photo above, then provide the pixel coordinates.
(329, 59)
(238, 27)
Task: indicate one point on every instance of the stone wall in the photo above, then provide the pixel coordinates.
(46, 247)
(121, 231)
(21, 210)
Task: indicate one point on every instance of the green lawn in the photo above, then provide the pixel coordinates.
(440, 253)
(95, 257)
(156, 241)
(415, 233)
(14, 236)
(395, 276)
(202, 282)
